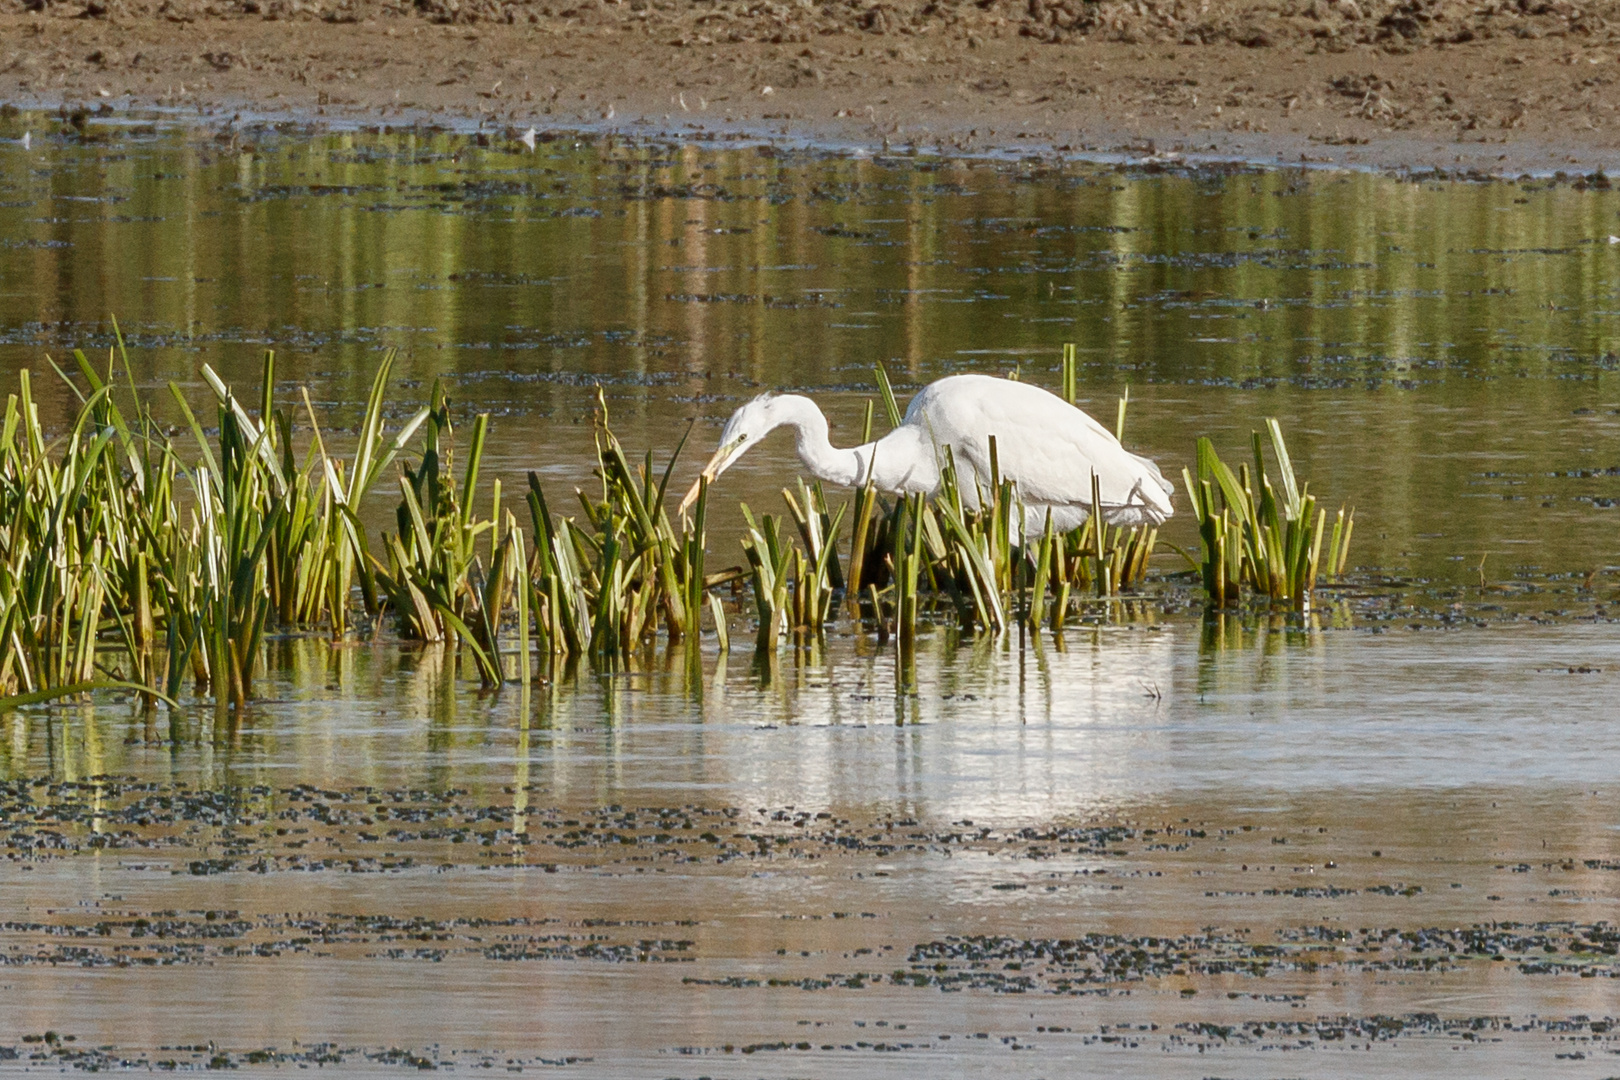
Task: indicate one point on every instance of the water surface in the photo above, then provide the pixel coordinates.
(1440, 353)
(1384, 841)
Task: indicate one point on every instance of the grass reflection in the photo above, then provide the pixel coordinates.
(1263, 651)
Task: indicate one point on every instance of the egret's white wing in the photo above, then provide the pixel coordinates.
(1044, 444)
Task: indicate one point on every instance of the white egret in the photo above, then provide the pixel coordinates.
(1047, 447)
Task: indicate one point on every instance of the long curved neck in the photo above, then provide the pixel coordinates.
(820, 456)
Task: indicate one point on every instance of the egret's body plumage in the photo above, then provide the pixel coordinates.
(1044, 445)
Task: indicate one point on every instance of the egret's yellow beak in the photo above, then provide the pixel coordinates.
(718, 464)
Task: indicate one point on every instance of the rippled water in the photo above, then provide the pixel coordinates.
(1440, 353)
(1387, 843)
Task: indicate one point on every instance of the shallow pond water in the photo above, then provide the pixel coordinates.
(638, 872)
(1441, 353)
(1383, 842)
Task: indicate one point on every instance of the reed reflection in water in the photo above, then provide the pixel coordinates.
(1121, 714)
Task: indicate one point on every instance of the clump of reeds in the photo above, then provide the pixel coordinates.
(113, 535)
(603, 587)
(1258, 537)
(130, 559)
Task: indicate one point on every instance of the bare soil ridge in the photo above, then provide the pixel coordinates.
(1504, 86)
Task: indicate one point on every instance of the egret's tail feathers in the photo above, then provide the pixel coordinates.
(1068, 517)
(1148, 502)
(1152, 468)
(1134, 515)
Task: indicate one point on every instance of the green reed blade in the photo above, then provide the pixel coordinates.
(475, 457)
(573, 606)
(494, 601)
(669, 468)
(91, 375)
(1285, 468)
(67, 379)
(250, 429)
(1104, 579)
(540, 519)
(620, 487)
(203, 448)
(1043, 572)
(722, 634)
(694, 548)
(1149, 539)
(829, 529)
(267, 387)
(1343, 549)
(1315, 561)
(1211, 467)
(84, 686)
(860, 537)
(105, 412)
(418, 522)
(488, 670)
(1060, 605)
(890, 407)
(981, 576)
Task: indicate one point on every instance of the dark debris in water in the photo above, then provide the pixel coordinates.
(1568, 1038)
(761, 299)
(60, 1051)
(312, 829)
(264, 830)
(1098, 962)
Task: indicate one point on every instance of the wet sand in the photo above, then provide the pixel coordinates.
(1503, 89)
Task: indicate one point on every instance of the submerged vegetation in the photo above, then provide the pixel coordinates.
(136, 555)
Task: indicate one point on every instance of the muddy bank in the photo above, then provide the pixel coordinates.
(1505, 87)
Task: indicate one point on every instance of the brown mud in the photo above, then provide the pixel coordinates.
(1503, 87)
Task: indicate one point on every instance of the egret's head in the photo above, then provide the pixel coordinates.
(747, 426)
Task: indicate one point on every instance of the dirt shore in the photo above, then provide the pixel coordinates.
(1504, 87)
